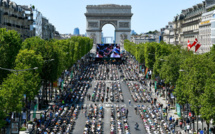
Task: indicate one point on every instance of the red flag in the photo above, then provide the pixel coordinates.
(194, 43)
(197, 46)
(188, 45)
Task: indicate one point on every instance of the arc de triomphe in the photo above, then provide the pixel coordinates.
(117, 15)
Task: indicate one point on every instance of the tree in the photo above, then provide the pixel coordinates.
(11, 93)
(9, 48)
(150, 54)
(198, 69)
(28, 59)
(170, 68)
(207, 101)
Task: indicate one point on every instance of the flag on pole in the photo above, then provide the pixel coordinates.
(188, 45)
(194, 43)
(197, 46)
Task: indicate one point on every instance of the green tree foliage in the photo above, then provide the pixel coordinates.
(150, 54)
(28, 59)
(12, 93)
(192, 75)
(207, 100)
(35, 52)
(10, 44)
(170, 68)
(198, 69)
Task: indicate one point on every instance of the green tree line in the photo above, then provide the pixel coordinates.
(51, 57)
(192, 75)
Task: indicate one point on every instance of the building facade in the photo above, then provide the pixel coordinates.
(48, 30)
(76, 31)
(207, 27)
(167, 33)
(16, 17)
(133, 32)
(38, 23)
(143, 38)
(186, 25)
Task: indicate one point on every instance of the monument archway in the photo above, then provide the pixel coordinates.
(118, 15)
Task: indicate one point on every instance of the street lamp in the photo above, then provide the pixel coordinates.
(181, 70)
(151, 54)
(13, 70)
(49, 60)
(162, 60)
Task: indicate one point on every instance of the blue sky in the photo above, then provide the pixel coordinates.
(148, 14)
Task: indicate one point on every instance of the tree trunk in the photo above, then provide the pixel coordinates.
(46, 93)
(197, 118)
(52, 90)
(43, 92)
(208, 125)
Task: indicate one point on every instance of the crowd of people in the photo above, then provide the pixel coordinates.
(61, 117)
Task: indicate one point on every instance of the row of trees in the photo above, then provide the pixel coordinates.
(192, 75)
(50, 57)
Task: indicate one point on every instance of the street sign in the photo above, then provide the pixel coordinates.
(190, 114)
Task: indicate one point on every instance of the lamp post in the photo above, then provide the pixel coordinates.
(13, 70)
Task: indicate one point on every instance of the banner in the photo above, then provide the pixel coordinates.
(178, 109)
(155, 85)
(71, 75)
(55, 84)
(35, 109)
(62, 83)
(146, 71)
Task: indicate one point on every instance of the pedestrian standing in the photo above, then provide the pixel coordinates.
(135, 109)
(85, 113)
(166, 108)
(129, 102)
(188, 128)
(185, 128)
(181, 124)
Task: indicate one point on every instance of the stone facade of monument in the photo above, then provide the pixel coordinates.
(99, 15)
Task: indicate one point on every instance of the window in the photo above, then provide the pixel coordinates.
(213, 33)
(212, 24)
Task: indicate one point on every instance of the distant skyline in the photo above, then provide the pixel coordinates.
(149, 15)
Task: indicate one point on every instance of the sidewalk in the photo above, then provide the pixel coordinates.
(171, 111)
